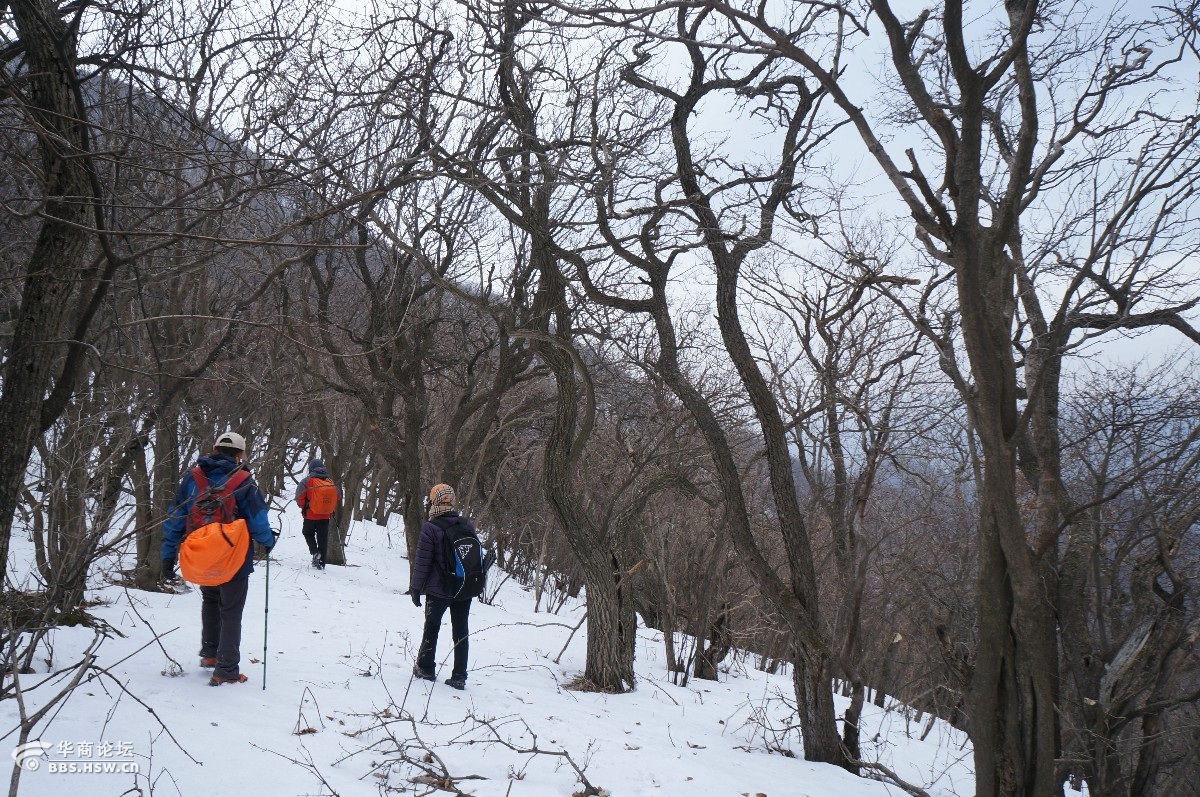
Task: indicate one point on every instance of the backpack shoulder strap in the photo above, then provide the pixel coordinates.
(232, 483)
(445, 527)
(236, 479)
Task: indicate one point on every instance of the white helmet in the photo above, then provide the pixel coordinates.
(233, 440)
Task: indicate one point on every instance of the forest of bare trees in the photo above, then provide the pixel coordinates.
(857, 336)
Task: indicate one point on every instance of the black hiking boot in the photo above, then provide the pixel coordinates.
(424, 675)
(457, 681)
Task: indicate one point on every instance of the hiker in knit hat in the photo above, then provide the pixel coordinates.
(429, 578)
(317, 497)
(439, 501)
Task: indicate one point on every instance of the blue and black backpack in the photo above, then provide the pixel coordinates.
(466, 565)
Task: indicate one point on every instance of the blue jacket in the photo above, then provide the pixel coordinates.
(431, 557)
(250, 506)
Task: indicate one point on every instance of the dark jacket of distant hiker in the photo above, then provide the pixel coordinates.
(427, 577)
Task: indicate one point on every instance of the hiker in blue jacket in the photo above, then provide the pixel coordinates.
(428, 579)
(221, 606)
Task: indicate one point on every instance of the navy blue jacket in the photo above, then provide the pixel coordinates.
(249, 505)
(428, 576)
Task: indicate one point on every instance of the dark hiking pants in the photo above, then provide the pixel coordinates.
(316, 534)
(434, 609)
(221, 625)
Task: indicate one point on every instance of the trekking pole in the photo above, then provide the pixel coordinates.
(266, 614)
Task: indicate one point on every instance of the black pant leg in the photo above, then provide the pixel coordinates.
(310, 535)
(459, 627)
(229, 652)
(321, 528)
(316, 534)
(210, 621)
(435, 608)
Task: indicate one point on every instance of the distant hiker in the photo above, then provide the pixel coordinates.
(216, 511)
(317, 497)
(432, 577)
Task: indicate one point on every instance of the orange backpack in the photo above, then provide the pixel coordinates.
(216, 543)
(321, 496)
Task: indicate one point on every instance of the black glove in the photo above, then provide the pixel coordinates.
(416, 598)
(168, 568)
(268, 547)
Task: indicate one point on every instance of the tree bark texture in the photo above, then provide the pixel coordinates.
(1012, 693)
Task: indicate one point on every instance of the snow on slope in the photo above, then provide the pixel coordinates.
(341, 713)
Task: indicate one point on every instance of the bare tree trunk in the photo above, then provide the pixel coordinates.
(55, 262)
(611, 621)
(412, 490)
(851, 731)
(813, 683)
(812, 679)
(147, 563)
(712, 651)
(1013, 696)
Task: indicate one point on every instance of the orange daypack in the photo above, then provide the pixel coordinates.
(321, 495)
(216, 543)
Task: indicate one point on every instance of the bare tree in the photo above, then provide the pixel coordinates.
(1005, 154)
(849, 374)
(157, 216)
(685, 198)
(1128, 575)
(529, 159)
(47, 95)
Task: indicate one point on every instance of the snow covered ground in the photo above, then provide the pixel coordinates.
(341, 714)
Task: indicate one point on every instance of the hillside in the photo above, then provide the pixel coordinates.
(340, 713)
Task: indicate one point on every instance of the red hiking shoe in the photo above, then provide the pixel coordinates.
(210, 661)
(217, 680)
